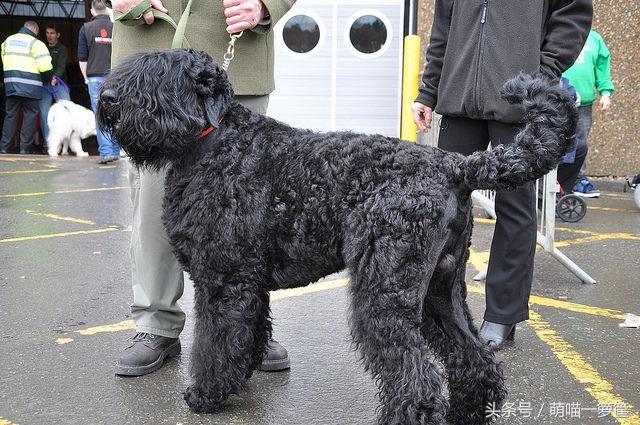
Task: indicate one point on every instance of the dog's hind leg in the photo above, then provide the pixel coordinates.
(65, 146)
(476, 383)
(76, 145)
(389, 283)
(231, 331)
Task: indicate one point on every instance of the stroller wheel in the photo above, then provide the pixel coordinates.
(571, 208)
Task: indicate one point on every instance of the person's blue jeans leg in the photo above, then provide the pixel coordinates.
(45, 105)
(106, 146)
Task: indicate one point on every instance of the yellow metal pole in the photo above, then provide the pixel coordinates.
(410, 77)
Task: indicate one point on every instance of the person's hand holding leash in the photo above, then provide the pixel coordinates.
(422, 116)
(243, 14)
(125, 6)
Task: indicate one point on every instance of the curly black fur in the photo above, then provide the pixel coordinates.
(258, 205)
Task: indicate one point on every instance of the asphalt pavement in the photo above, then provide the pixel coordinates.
(64, 315)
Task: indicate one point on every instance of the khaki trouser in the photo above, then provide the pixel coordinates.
(157, 278)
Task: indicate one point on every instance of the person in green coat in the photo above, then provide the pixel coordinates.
(157, 277)
(590, 75)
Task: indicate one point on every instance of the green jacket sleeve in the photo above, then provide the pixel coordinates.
(603, 69)
(276, 9)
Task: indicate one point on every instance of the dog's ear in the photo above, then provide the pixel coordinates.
(212, 86)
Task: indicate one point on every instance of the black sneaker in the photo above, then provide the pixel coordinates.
(276, 358)
(146, 354)
(107, 159)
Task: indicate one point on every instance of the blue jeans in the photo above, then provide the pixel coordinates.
(106, 146)
(45, 105)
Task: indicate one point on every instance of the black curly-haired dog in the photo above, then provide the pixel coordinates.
(256, 205)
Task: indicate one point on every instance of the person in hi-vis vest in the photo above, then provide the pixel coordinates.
(26, 62)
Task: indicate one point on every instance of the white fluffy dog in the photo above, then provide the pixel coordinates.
(69, 123)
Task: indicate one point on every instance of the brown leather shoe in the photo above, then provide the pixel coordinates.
(276, 358)
(146, 354)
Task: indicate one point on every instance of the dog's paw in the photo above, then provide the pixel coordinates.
(82, 154)
(200, 402)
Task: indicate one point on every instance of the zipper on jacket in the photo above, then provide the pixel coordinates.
(476, 88)
(484, 12)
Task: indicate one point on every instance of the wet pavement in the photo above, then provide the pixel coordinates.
(64, 295)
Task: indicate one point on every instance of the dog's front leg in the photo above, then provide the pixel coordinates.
(231, 332)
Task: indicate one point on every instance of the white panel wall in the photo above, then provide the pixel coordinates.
(335, 86)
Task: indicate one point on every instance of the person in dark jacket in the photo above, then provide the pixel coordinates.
(55, 89)
(475, 47)
(94, 55)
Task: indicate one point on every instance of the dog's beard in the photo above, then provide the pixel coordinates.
(155, 116)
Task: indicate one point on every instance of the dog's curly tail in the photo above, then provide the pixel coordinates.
(550, 116)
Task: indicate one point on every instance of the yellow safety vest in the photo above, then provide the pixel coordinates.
(24, 58)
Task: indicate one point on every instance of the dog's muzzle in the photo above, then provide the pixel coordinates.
(107, 106)
(108, 97)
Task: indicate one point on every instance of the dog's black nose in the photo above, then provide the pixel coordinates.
(108, 96)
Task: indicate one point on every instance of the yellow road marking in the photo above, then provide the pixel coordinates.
(316, 287)
(116, 327)
(484, 220)
(58, 235)
(629, 195)
(591, 207)
(339, 283)
(4, 421)
(26, 171)
(564, 229)
(44, 165)
(578, 231)
(57, 217)
(563, 305)
(478, 259)
(597, 237)
(125, 325)
(276, 295)
(582, 371)
(57, 192)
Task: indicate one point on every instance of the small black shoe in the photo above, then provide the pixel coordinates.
(107, 159)
(497, 335)
(146, 354)
(276, 358)
(4, 151)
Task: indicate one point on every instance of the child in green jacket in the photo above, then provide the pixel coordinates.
(590, 73)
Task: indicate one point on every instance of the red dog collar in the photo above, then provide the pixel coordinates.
(205, 132)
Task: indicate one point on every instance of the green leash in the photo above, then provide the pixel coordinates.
(134, 17)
